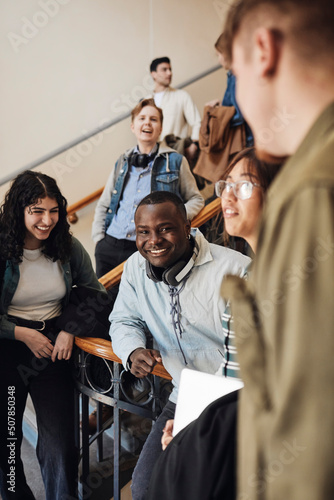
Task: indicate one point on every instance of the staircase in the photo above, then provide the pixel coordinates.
(133, 431)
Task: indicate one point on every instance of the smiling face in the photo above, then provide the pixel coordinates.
(162, 234)
(147, 127)
(39, 220)
(241, 217)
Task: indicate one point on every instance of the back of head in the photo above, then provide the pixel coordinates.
(142, 104)
(305, 25)
(158, 197)
(155, 63)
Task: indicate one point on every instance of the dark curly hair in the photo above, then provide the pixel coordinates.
(27, 189)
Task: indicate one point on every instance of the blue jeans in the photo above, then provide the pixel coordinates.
(52, 392)
(150, 454)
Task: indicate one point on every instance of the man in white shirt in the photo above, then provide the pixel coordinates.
(179, 110)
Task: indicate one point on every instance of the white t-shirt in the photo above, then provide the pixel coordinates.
(41, 288)
(158, 97)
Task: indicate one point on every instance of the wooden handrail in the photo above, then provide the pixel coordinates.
(103, 349)
(207, 213)
(114, 276)
(204, 215)
(72, 209)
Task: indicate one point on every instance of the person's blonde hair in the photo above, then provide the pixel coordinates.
(307, 24)
(146, 102)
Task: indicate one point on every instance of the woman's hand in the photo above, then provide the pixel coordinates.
(38, 343)
(167, 435)
(63, 346)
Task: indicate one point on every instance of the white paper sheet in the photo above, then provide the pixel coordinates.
(196, 391)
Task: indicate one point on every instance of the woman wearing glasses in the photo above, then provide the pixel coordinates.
(242, 191)
(200, 464)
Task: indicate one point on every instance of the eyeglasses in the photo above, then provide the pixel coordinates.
(241, 189)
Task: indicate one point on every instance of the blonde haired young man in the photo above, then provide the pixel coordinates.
(282, 53)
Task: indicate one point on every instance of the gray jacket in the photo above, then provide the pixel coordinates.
(143, 305)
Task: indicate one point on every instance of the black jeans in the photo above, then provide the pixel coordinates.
(52, 391)
(110, 252)
(150, 454)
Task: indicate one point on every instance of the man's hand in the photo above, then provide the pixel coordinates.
(63, 346)
(167, 435)
(143, 361)
(38, 343)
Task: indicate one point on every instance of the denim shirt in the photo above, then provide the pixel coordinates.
(170, 172)
(229, 99)
(77, 270)
(164, 177)
(136, 187)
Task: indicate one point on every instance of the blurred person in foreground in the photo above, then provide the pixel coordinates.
(282, 53)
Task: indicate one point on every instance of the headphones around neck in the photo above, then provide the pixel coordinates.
(140, 160)
(174, 274)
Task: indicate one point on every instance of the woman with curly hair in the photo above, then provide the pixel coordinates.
(40, 262)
